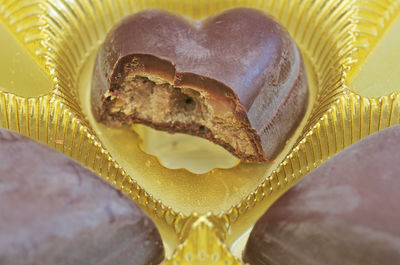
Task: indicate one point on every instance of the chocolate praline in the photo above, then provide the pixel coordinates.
(55, 211)
(344, 212)
(236, 78)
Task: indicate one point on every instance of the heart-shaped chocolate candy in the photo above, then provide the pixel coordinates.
(236, 78)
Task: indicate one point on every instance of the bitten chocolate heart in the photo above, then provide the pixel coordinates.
(53, 211)
(236, 79)
(344, 212)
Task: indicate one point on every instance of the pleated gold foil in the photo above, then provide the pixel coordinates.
(59, 38)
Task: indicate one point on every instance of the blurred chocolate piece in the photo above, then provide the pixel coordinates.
(55, 211)
(344, 212)
(236, 79)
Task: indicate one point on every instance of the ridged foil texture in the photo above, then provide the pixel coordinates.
(60, 38)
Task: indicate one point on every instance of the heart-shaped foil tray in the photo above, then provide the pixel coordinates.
(47, 54)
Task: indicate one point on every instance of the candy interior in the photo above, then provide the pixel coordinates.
(152, 101)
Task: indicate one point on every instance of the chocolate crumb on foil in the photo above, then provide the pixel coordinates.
(55, 211)
(236, 79)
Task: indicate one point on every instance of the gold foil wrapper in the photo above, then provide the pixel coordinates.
(50, 46)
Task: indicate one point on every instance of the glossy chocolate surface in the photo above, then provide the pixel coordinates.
(55, 211)
(344, 212)
(240, 58)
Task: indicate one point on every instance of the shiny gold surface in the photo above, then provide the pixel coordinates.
(351, 57)
(373, 81)
(19, 73)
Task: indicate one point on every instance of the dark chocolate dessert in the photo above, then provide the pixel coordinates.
(236, 79)
(344, 212)
(53, 211)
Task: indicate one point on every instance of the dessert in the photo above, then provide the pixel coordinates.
(344, 212)
(236, 79)
(55, 211)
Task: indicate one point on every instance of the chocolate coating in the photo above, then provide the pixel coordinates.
(55, 211)
(344, 212)
(241, 66)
